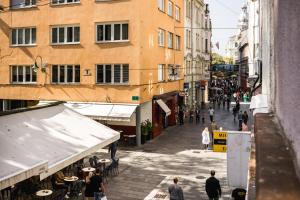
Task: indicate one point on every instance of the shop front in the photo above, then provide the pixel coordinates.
(164, 111)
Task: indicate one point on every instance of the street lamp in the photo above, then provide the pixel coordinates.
(35, 66)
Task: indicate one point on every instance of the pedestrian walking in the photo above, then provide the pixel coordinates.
(205, 138)
(212, 187)
(88, 192)
(197, 113)
(228, 102)
(224, 101)
(240, 118)
(113, 150)
(213, 126)
(181, 116)
(245, 117)
(238, 106)
(211, 112)
(191, 116)
(175, 191)
(234, 112)
(97, 186)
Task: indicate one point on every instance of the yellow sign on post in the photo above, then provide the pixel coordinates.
(220, 141)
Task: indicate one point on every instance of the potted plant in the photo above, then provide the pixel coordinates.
(149, 129)
(144, 132)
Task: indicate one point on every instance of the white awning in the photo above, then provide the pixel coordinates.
(45, 140)
(164, 107)
(107, 112)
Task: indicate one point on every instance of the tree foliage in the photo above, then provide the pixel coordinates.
(217, 59)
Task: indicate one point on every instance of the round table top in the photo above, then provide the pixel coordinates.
(71, 178)
(103, 160)
(88, 169)
(131, 136)
(43, 193)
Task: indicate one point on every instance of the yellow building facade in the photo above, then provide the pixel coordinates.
(140, 51)
(123, 52)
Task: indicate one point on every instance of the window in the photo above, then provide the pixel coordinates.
(161, 5)
(198, 20)
(65, 74)
(188, 39)
(170, 40)
(23, 36)
(177, 72)
(112, 32)
(161, 73)
(112, 73)
(197, 41)
(170, 8)
(177, 13)
(177, 42)
(58, 2)
(170, 72)
(206, 45)
(23, 74)
(65, 35)
(161, 37)
(16, 4)
(188, 8)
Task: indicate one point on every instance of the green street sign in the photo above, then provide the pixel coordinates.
(135, 98)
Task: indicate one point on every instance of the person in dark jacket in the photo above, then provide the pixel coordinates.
(113, 150)
(212, 187)
(239, 194)
(175, 191)
(245, 117)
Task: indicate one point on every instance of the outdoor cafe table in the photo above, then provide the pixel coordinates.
(88, 169)
(43, 193)
(69, 180)
(103, 162)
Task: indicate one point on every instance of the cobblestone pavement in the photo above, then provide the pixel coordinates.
(146, 172)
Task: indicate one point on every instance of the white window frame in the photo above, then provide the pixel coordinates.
(188, 9)
(160, 72)
(66, 74)
(161, 5)
(170, 40)
(24, 75)
(177, 42)
(113, 74)
(65, 34)
(170, 8)
(31, 4)
(112, 32)
(23, 35)
(64, 2)
(177, 13)
(171, 76)
(177, 71)
(161, 37)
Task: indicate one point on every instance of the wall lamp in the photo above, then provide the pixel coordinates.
(43, 66)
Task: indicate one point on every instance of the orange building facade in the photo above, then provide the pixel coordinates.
(113, 52)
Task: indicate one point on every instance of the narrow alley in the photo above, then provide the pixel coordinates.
(146, 172)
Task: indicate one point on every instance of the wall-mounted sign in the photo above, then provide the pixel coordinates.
(135, 98)
(220, 141)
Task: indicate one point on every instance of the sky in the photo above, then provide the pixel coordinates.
(224, 14)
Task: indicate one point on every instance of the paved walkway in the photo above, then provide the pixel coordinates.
(146, 172)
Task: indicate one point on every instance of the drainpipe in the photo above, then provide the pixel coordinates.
(138, 125)
(192, 48)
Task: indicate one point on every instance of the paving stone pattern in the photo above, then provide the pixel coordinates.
(146, 172)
